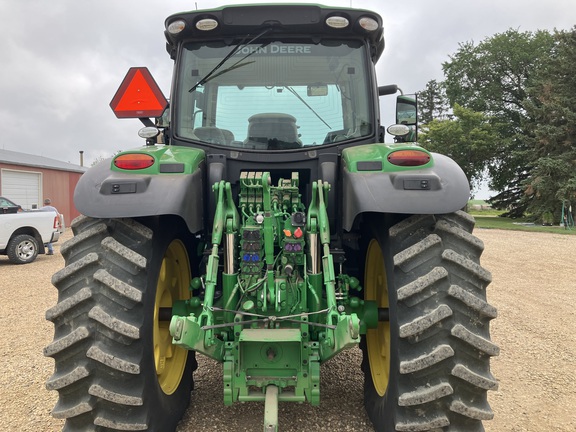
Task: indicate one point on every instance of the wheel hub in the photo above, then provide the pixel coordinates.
(378, 339)
(173, 281)
(25, 249)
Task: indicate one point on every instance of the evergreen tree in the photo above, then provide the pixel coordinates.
(552, 104)
(432, 103)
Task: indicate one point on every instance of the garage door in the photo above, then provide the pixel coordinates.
(22, 187)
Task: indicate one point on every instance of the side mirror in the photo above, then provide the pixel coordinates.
(164, 120)
(407, 114)
(407, 110)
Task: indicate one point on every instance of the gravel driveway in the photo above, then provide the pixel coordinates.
(534, 289)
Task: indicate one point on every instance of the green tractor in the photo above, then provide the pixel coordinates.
(266, 224)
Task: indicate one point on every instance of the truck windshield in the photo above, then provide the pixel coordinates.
(273, 95)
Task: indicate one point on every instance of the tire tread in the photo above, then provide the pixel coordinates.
(443, 320)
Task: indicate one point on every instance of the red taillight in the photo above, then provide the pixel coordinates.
(409, 158)
(56, 222)
(134, 161)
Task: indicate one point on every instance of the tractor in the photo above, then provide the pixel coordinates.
(266, 224)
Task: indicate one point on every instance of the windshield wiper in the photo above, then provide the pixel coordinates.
(291, 90)
(234, 50)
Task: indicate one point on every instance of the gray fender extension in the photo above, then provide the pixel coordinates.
(102, 193)
(443, 188)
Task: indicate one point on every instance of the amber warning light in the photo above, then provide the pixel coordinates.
(138, 96)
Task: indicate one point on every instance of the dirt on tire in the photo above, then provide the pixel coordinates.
(533, 288)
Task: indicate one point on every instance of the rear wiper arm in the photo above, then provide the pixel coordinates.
(291, 90)
(234, 50)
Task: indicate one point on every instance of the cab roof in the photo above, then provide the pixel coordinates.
(283, 20)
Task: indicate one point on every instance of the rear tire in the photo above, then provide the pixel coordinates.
(22, 249)
(115, 366)
(438, 342)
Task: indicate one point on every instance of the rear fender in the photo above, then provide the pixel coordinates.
(369, 185)
(107, 192)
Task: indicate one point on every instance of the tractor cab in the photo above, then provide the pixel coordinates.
(252, 79)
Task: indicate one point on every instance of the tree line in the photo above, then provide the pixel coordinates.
(506, 112)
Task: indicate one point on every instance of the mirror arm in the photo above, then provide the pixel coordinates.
(146, 122)
(388, 90)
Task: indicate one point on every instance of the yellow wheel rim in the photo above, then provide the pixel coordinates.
(173, 283)
(377, 339)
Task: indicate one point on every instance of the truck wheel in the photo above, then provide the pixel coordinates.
(22, 249)
(115, 365)
(428, 367)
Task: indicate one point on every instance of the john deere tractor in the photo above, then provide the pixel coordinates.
(265, 224)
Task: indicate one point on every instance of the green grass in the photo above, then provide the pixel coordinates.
(484, 220)
(477, 202)
(488, 212)
(490, 219)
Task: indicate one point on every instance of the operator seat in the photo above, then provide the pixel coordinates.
(228, 136)
(272, 131)
(210, 134)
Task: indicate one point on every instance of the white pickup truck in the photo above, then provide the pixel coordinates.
(24, 234)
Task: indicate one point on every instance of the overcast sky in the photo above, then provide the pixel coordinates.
(61, 61)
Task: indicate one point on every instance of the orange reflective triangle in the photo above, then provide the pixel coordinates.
(138, 96)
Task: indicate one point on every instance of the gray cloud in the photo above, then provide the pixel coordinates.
(62, 61)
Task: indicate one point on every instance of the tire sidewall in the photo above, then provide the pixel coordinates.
(12, 250)
(165, 410)
(382, 409)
